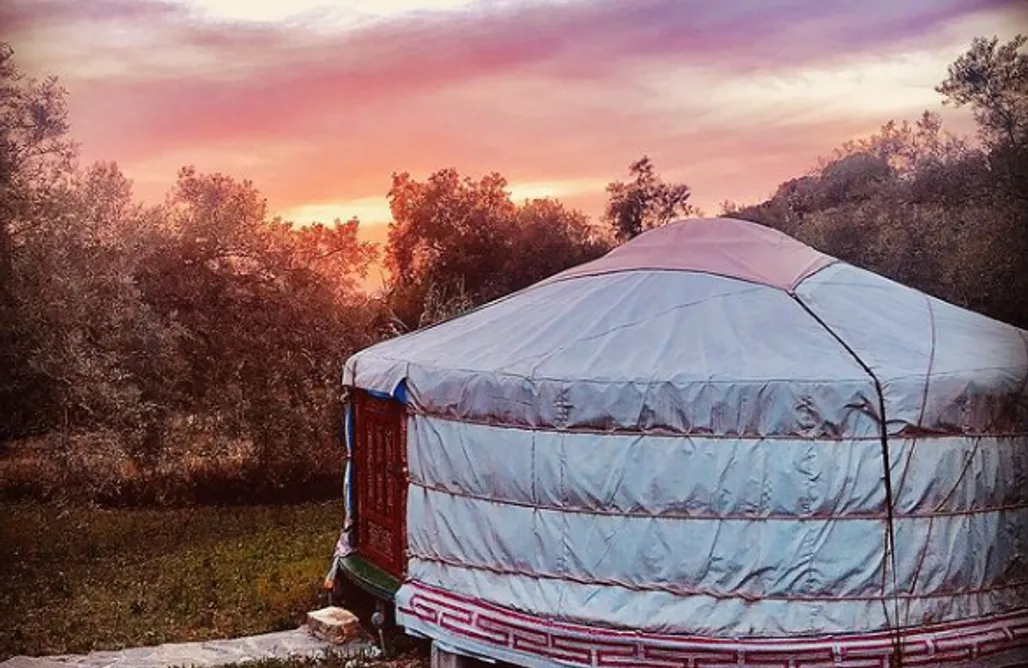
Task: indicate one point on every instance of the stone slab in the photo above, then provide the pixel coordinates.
(31, 662)
(280, 645)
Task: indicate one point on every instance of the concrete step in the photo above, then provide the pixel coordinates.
(333, 624)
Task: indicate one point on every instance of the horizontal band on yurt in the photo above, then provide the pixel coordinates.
(715, 476)
(665, 608)
(666, 412)
(710, 516)
(905, 431)
(750, 560)
(991, 402)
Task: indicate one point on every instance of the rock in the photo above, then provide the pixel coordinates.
(333, 624)
(283, 645)
(30, 662)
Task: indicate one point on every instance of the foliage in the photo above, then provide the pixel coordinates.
(923, 207)
(411, 659)
(456, 242)
(550, 238)
(644, 202)
(993, 79)
(439, 306)
(131, 334)
(192, 467)
(263, 314)
(144, 577)
(35, 157)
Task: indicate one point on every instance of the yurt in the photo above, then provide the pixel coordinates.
(714, 445)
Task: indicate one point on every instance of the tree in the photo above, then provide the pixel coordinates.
(644, 202)
(36, 156)
(456, 242)
(35, 151)
(992, 79)
(449, 229)
(93, 335)
(334, 252)
(265, 314)
(926, 208)
(548, 239)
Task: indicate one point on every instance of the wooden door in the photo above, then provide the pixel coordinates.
(380, 481)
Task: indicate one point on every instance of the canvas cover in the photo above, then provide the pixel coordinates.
(712, 442)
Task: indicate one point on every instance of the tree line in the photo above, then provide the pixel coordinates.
(942, 213)
(192, 348)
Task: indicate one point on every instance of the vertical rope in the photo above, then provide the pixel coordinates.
(889, 558)
(913, 447)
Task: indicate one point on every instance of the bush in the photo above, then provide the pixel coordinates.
(95, 468)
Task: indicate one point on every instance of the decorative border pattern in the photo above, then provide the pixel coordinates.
(579, 645)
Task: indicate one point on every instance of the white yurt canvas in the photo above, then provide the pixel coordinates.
(714, 445)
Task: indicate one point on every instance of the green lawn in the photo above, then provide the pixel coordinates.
(74, 579)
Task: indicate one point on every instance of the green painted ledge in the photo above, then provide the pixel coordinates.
(369, 577)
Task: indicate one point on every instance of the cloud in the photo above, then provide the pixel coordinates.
(321, 107)
(579, 39)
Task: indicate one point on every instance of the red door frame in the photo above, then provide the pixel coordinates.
(380, 481)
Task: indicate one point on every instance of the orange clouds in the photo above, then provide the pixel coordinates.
(319, 109)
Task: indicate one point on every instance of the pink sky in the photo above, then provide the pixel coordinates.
(320, 103)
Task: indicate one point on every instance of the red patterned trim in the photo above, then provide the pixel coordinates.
(579, 645)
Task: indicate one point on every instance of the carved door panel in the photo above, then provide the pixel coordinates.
(380, 475)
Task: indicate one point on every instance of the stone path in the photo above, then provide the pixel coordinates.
(280, 645)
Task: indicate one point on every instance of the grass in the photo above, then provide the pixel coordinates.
(80, 578)
(408, 660)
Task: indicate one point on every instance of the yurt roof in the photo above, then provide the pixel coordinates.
(712, 325)
(719, 246)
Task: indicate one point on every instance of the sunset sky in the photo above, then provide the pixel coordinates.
(319, 103)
